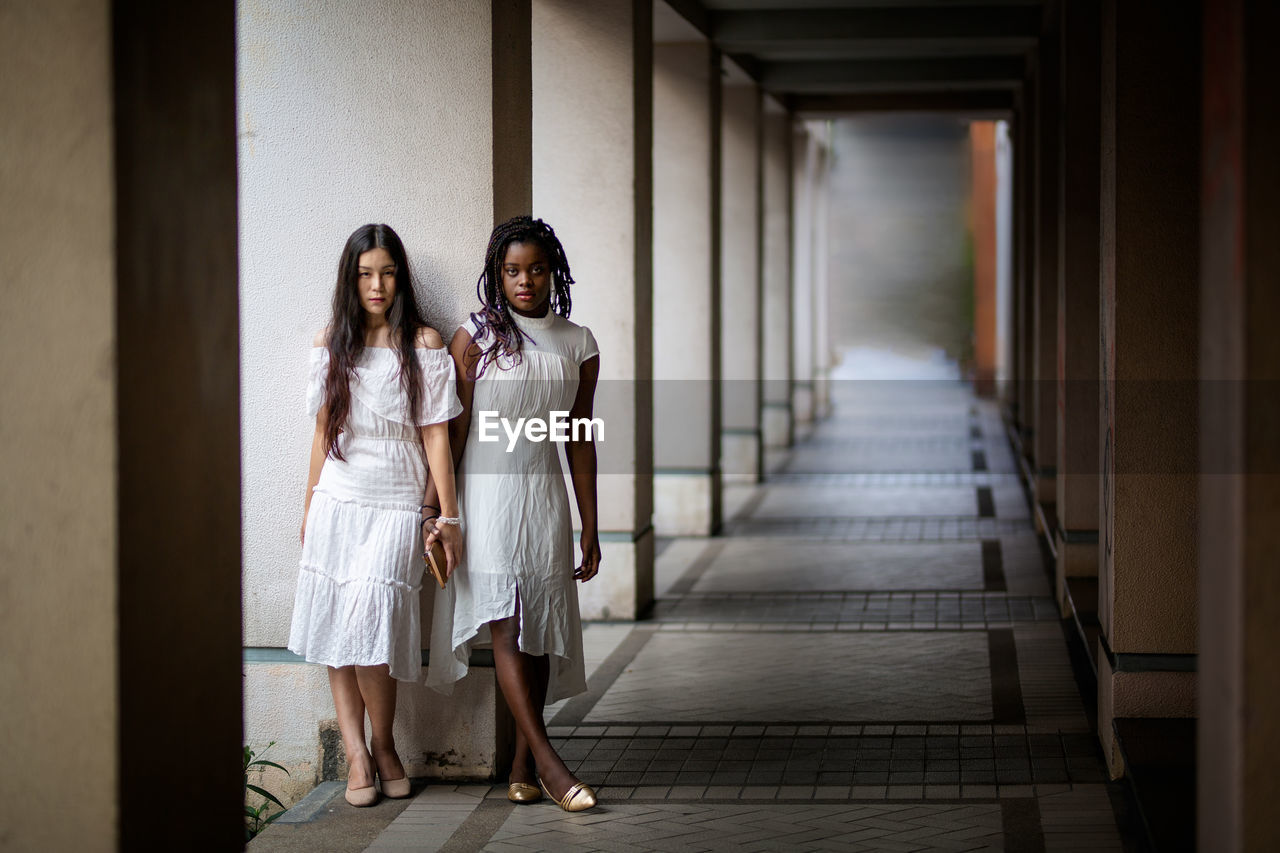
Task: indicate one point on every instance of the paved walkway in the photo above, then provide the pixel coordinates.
(870, 659)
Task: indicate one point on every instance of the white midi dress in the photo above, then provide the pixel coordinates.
(361, 568)
(515, 516)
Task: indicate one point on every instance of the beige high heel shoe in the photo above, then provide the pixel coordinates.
(578, 798)
(396, 789)
(362, 797)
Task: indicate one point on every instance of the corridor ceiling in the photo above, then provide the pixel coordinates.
(820, 57)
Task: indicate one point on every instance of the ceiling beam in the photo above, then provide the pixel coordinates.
(978, 104)
(892, 75)
(739, 31)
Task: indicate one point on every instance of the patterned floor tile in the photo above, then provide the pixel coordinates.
(808, 678)
(715, 827)
(762, 564)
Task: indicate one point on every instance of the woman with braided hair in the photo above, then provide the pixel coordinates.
(519, 356)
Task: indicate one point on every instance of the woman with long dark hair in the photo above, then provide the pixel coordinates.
(382, 392)
(519, 356)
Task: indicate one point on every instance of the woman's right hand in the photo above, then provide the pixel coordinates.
(450, 537)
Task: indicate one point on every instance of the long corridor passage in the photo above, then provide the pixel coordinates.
(869, 659)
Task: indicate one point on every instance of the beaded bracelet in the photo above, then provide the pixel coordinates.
(445, 519)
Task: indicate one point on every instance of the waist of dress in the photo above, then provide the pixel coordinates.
(402, 439)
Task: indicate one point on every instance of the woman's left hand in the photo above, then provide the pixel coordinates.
(450, 537)
(590, 557)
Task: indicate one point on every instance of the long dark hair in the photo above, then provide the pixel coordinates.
(494, 316)
(346, 329)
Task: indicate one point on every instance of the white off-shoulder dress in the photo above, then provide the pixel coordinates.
(361, 568)
(515, 516)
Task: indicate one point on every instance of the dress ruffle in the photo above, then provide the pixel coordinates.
(377, 384)
(357, 596)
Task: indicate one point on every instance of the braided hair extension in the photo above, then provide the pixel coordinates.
(347, 328)
(494, 316)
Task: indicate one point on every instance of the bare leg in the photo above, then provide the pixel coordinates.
(350, 705)
(522, 764)
(515, 677)
(379, 691)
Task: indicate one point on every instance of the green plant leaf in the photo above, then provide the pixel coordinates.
(265, 793)
(264, 763)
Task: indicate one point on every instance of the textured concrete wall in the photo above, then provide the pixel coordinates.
(1150, 311)
(686, 293)
(343, 120)
(57, 430)
(592, 180)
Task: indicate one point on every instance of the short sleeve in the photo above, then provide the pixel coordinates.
(315, 384)
(588, 346)
(439, 387)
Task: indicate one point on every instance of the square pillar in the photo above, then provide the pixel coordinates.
(309, 175)
(592, 180)
(1149, 364)
(686, 289)
(119, 505)
(1238, 735)
(1044, 295)
(823, 356)
(1024, 160)
(1023, 268)
(805, 166)
(1078, 285)
(777, 420)
(741, 291)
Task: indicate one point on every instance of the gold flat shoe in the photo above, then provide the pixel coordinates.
(396, 789)
(578, 798)
(523, 792)
(362, 797)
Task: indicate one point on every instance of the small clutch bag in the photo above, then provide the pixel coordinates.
(436, 562)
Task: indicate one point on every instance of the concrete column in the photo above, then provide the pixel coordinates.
(1024, 159)
(1077, 338)
(686, 289)
(58, 498)
(343, 120)
(776, 178)
(1044, 344)
(741, 293)
(823, 354)
(120, 499)
(1005, 326)
(804, 168)
(1238, 733)
(1150, 329)
(592, 145)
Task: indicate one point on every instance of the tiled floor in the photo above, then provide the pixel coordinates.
(869, 659)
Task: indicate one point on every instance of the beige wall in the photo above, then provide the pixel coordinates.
(57, 432)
